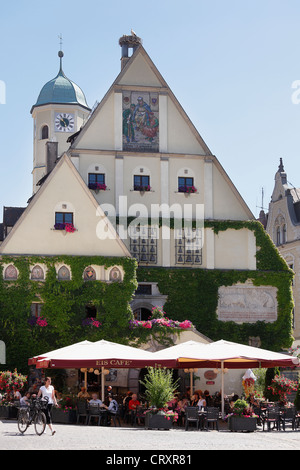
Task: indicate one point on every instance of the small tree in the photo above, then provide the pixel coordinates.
(159, 386)
(270, 374)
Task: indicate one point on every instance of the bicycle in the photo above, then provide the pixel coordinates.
(33, 413)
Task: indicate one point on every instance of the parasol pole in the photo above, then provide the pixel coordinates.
(85, 379)
(222, 388)
(191, 382)
(102, 384)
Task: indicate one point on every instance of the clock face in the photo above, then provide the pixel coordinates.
(64, 122)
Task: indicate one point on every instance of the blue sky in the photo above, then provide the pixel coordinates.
(231, 64)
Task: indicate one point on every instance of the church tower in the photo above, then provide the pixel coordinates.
(60, 111)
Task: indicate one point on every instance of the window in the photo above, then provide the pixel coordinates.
(96, 181)
(63, 217)
(184, 183)
(142, 314)
(45, 132)
(278, 237)
(89, 274)
(141, 183)
(188, 246)
(144, 289)
(284, 233)
(63, 274)
(11, 273)
(37, 273)
(36, 309)
(115, 275)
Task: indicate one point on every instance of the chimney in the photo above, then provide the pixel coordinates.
(126, 43)
(51, 155)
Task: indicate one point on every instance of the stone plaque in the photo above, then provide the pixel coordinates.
(247, 303)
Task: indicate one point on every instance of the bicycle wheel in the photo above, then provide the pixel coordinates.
(39, 423)
(23, 420)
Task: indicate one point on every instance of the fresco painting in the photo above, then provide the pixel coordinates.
(140, 121)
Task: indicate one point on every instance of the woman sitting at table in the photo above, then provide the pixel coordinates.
(201, 402)
(195, 399)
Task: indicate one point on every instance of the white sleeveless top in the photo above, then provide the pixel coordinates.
(47, 392)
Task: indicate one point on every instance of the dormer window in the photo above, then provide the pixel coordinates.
(63, 220)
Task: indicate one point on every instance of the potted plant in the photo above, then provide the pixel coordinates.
(280, 387)
(159, 390)
(242, 417)
(65, 412)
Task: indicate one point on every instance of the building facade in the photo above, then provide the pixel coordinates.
(283, 226)
(132, 181)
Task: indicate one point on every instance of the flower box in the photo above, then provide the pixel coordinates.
(8, 412)
(97, 186)
(66, 226)
(187, 189)
(158, 421)
(63, 417)
(4, 412)
(238, 423)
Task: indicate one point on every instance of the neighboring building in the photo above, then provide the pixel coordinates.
(283, 227)
(100, 175)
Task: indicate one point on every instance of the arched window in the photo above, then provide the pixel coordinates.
(37, 273)
(63, 274)
(115, 275)
(278, 236)
(284, 233)
(10, 273)
(45, 132)
(89, 274)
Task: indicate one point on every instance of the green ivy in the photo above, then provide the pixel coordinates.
(64, 305)
(193, 293)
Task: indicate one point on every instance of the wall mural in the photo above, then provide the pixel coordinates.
(140, 121)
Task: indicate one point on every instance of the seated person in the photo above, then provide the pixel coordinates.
(195, 399)
(24, 401)
(132, 405)
(83, 393)
(208, 398)
(113, 406)
(201, 402)
(95, 400)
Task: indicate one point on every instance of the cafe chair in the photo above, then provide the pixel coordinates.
(288, 416)
(272, 417)
(191, 416)
(115, 417)
(82, 410)
(94, 412)
(212, 416)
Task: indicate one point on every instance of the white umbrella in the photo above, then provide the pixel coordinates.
(224, 354)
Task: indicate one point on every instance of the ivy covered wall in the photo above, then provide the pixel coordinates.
(64, 306)
(193, 293)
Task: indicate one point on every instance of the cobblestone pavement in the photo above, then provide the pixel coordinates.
(81, 437)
